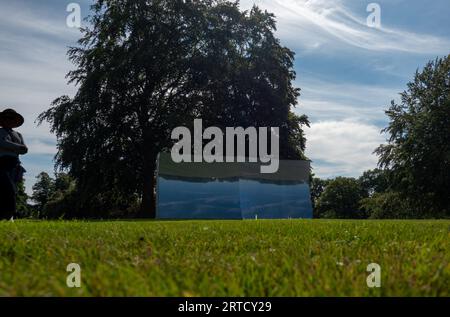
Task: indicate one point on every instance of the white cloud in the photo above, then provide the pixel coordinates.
(343, 133)
(342, 148)
(41, 146)
(315, 23)
(318, 110)
(21, 19)
(327, 100)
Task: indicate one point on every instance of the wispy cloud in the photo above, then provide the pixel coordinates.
(326, 100)
(20, 19)
(316, 23)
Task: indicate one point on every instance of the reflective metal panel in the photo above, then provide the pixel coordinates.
(274, 199)
(232, 190)
(191, 198)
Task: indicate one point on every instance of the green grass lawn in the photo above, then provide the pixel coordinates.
(225, 258)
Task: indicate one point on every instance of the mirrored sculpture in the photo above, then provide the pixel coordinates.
(232, 190)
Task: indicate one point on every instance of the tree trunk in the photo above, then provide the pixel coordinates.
(148, 204)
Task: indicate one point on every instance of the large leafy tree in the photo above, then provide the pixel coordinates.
(317, 186)
(42, 190)
(341, 199)
(374, 181)
(144, 67)
(417, 156)
(22, 207)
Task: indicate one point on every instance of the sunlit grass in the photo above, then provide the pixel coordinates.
(225, 258)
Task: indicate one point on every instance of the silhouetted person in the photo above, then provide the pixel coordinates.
(11, 172)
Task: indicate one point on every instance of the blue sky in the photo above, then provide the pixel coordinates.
(347, 71)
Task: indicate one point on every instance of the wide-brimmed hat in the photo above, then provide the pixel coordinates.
(12, 115)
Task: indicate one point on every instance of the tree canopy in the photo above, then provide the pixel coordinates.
(341, 199)
(43, 190)
(417, 156)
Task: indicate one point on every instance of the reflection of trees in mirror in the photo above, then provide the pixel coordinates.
(231, 180)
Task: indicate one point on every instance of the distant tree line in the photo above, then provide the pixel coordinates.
(56, 198)
(356, 198)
